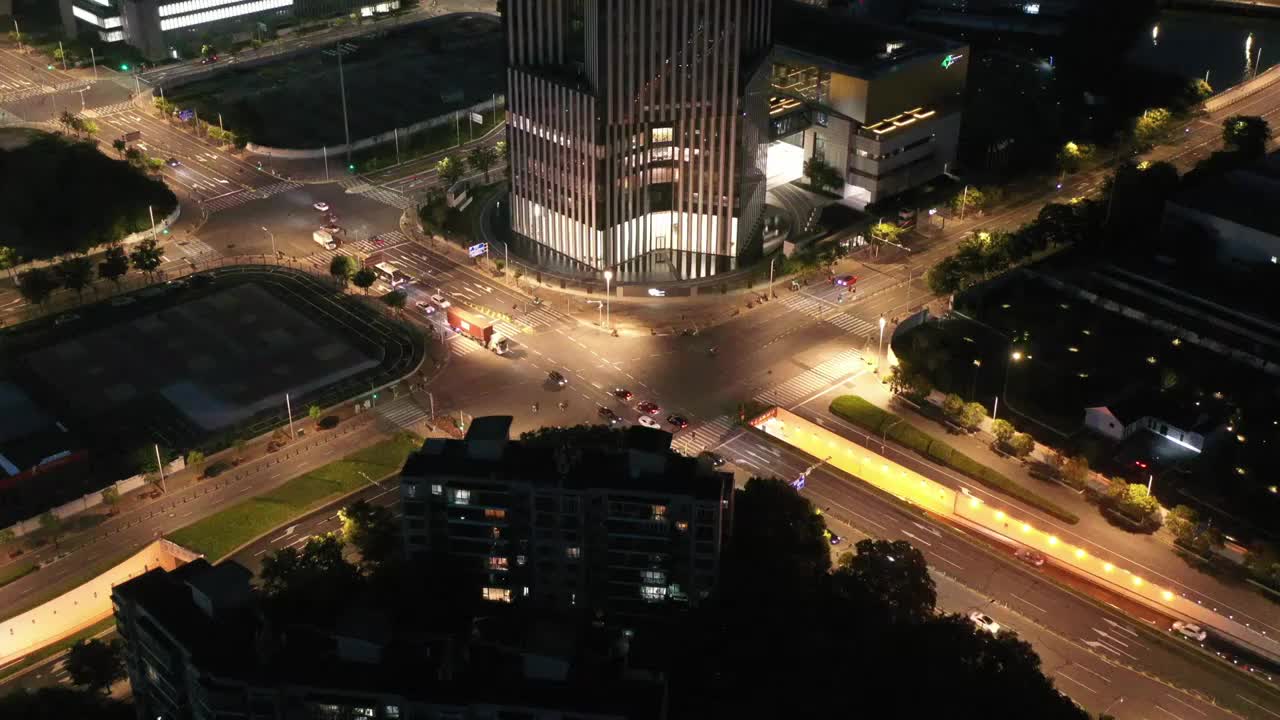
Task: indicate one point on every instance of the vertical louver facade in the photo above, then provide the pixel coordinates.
(637, 130)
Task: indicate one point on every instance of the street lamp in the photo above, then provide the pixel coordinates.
(880, 347)
(274, 254)
(608, 278)
(1015, 356)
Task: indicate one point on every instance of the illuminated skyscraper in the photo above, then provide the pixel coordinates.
(637, 131)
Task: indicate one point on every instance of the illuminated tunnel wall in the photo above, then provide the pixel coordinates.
(870, 467)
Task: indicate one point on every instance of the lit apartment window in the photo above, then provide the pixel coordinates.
(521, 560)
(437, 489)
(494, 514)
(651, 593)
(496, 594)
(573, 552)
(497, 563)
(662, 135)
(659, 512)
(682, 526)
(461, 497)
(653, 577)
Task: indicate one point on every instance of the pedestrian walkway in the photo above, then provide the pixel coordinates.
(274, 189)
(403, 412)
(460, 346)
(703, 436)
(851, 323)
(826, 312)
(189, 248)
(813, 381)
(105, 110)
(508, 330)
(240, 197)
(386, 196)
(23, 89)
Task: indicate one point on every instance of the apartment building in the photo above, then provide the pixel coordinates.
(625, 526)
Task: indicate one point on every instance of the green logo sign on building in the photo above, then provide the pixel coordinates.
(950, 60)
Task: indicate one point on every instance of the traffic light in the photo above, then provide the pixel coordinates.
(351, 167)
(124, 67)
(48, 67)
(375, 396)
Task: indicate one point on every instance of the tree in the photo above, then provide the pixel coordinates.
(68, 120)
(893, 575)
(968, 200)
(76, 272)
(313, 581)
(196, 460)
(886, 233)
(147, 256)
(7, 535)
(342, 267)
(504, 152)
(94, 664)
(482, 158)
(451, 169)
(821, 174)
(51, 525)
(1246, 135)
(1152, 126)
(973, 415)
(364, 279)
(314, 412)
(1199, 90)
(784, 552)
(395, 300)
(371, 530)
(239, 446)
(947, 276)
(1003, 430)
(119, 144)
(36, 285)
(155, 165)
(1132, 499)
(1263, 562)
(953, 406)
(1181, 522)
(89, 127)
(1075, 471)
(1022, 444)
(904, 379)
(114, 265)
(9, 258)
(111, 496)
(1072, 156)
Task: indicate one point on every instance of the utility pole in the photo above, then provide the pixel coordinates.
(160, 466)
(17, 33)
(397, 135)
(342, 86)
(63, 53)
(289, 409)
(152, 213)
(93, 58)
(771, 262)
(964, 199)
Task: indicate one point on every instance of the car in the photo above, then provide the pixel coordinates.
(209, 60)
(555, 378)
(331, 246)
(678, 421)
(649, 422)
(715, 460)
(201, 280)
(64, 319)
(1030, 557)
(648, 407)
(440, 301)
(608, 415)
(846, 280)
(832, 538)
(1189, 630)
(179, 284)
(984, 622)
(622, 393)
(425, 307)
(173, 162)
(122, 301)
(378, 241)
(321, 206)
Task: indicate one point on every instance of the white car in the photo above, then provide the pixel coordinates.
(649, 422)
(425, 307)
(321, 206)
(1190, 630)
(440, 301)
(984, 622)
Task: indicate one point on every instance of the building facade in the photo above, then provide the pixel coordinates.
(630, 530)
(637, 131)
(881, 104)
(159, 29)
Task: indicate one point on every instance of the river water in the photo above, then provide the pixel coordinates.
(1225, 46)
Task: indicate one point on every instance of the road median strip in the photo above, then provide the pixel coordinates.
(862, 413)
(221, 534)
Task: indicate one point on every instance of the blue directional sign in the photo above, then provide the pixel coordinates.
(798, 483)
(478, 249)
(185, 115)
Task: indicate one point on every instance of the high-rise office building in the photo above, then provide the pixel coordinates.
(638, 131)
(631, 527)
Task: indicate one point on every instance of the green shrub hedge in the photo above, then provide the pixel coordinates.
(863, 414)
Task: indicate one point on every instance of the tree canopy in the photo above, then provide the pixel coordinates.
(62, 196)
(94, 664)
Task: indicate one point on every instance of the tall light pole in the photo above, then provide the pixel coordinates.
(1015, 356)
(771, 262)
(880, 347)
(271, 235)
(608, 278)
(342, 87)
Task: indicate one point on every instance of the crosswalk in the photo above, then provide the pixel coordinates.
(807, 305)
(240, 197)
(14, 90)
(461, 346)
(386, 196)
(819, 378)
(357, 248)
(403, 412)
(703, 436)
(192, 248)
(105, 110)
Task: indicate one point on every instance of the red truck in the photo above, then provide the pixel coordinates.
(477, 328)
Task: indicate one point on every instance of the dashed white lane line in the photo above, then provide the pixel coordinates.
(1065, 676)
(1187, 704)
(1028, 602)
(1264, 709)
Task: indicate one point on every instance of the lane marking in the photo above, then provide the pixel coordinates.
(1184, 702)
(1027, 602)
(1065, 676)
(1264, 709)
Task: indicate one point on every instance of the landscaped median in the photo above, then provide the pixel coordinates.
(220, 534)
(865, 415)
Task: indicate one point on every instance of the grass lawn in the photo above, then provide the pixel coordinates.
(55, 648)
(863, 414)
(218, 535)
(15, 571)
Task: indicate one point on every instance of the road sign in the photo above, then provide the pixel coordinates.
(186, 114)
(478, 249)
(477, 118)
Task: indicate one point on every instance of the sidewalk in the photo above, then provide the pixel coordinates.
(1152, 553)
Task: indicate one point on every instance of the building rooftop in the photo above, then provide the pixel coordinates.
(1245, 198)
(635, 459)
(856, 47)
